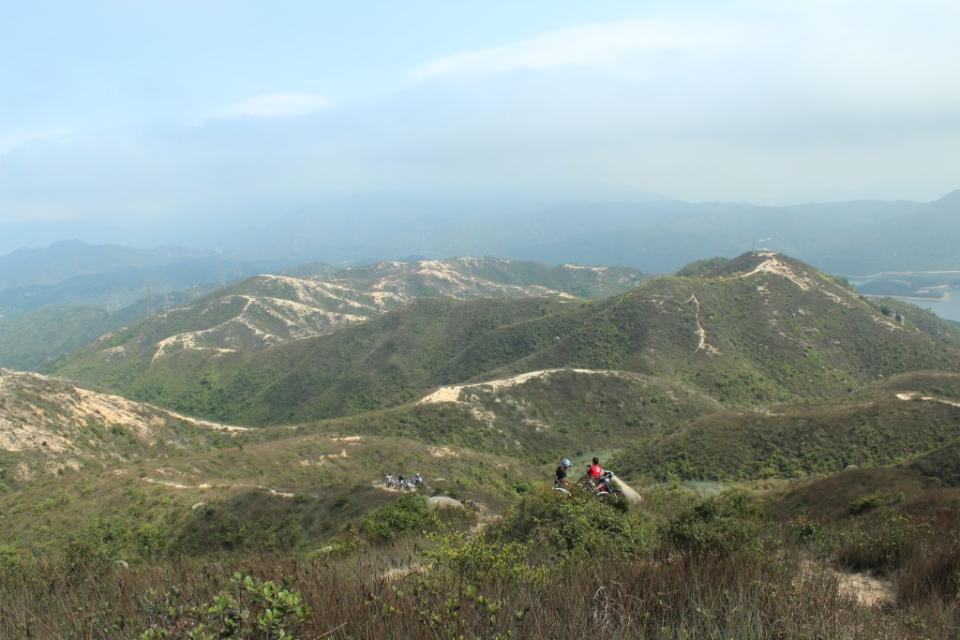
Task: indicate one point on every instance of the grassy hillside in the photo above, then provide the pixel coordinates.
(925, 320)
(78, 461)
(290, 491)
(539, 417)
(380, 363)
(48, 426)
(878, 427)
(32, 341)
(271, 310)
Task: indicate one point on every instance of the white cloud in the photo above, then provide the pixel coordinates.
(276, 105)
(10, 141)
(585, 46)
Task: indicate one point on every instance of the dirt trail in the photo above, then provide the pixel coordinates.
(453, 393)
(867, 590)
(702, 344)
(203, 486)
(916, 395)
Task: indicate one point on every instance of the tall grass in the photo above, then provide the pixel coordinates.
(718, 570)
(741, 595)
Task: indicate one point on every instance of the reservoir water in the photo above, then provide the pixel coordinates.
(948, 309)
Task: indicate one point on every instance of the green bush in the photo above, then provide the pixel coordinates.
(863, 504)
(721, 525)
(559, 525)
(9, 557)
(408, 513)
(253, 608)
(112, 539)
(477, 558)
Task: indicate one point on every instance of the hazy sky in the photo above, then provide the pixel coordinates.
(138, 109)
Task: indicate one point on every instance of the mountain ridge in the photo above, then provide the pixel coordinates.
(761, 328)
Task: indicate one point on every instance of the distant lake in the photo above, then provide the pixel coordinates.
(949, 308)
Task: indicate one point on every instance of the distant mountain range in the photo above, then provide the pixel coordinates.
(655, 235)
(108, 276)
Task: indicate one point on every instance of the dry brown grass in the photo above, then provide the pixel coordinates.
(742, 595)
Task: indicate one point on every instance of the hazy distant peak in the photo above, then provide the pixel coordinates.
(952, 198)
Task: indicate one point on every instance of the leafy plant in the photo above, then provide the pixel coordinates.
(254, 608)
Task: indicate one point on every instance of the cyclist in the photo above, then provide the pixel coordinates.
(595, 470)
(560, 475)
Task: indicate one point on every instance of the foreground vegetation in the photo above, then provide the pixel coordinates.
(733, 566)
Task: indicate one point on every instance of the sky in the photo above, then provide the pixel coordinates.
(134, 111)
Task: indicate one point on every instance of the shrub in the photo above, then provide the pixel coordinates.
(863, 504)
(408, 513)
(806, 531)
(477, 558)
(111, 539)
(564, 526)
(9, 557)
(721, 525)
(253, 608)
(341, 546)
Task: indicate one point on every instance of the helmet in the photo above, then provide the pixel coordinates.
(565, 463)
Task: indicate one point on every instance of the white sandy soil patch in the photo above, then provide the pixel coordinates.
(453, 393)
(299, 321)
(443, 452)
(916, 395)
(26, 424)
(867, 590)
(205, 486)
(325, 458)
(772, 265)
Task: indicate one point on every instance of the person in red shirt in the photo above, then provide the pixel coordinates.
(595, 470)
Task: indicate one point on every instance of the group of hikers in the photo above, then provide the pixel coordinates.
(596, 478)
(403, 484)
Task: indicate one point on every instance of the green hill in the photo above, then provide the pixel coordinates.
(270, 310)
(538, 416)
(376, 364)
(292, 491)
(887, 425)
